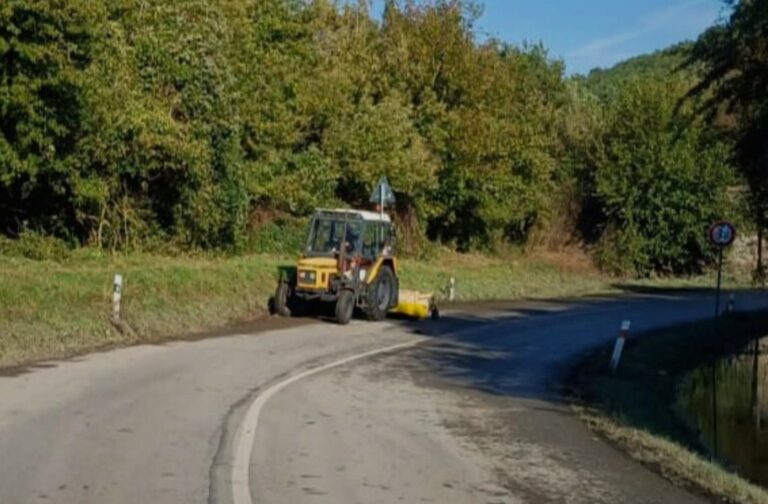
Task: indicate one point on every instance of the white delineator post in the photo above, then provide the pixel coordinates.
(731, 306)
(452, 290)
(619, 346)
(117, 292)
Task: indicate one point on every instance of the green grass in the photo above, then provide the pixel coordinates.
(58, 308)
(636, 407)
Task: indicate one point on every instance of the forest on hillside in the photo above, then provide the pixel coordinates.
(125, 124)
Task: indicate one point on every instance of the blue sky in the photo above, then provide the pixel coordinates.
(596, 33)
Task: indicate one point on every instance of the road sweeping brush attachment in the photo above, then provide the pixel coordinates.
(416, 305)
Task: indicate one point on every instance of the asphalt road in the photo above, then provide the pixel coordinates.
(465, 410)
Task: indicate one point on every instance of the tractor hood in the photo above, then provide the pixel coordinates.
(317, 262)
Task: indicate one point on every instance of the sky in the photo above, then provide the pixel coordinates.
(596, 33)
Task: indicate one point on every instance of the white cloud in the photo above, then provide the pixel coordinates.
(691, 14)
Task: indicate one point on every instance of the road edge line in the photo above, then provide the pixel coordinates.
(246, 432)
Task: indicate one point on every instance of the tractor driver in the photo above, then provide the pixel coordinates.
(351, 244)
(352, 239)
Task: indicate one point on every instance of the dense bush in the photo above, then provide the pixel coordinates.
(126, 123)
(34, 246)
(659, 180)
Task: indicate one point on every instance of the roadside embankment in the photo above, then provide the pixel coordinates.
(636, 408)
(60, 308)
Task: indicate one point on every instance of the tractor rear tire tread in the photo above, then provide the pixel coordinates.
(374, 309)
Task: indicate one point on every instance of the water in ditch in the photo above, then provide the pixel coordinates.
(742, 409)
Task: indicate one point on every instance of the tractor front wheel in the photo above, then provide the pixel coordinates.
(282, 297)
(345, 307)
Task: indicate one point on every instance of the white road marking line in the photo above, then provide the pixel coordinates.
(246, 434)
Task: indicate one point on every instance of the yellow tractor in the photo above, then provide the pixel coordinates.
(350, 259)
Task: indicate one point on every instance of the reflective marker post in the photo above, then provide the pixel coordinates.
(117, 294)
(618, 348)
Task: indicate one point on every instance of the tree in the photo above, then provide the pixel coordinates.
(45, 45)
(278, 76)
(735, 58)
(485, 111)
(658, 176)
(130, 123)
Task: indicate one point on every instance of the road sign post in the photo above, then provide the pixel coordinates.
(382, 195)
(719, 280)
(721, 235)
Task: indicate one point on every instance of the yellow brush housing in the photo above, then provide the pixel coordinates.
(414, 304)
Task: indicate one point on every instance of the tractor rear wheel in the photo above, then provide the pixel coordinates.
(380, 294)
(345, 307)
(282, 298)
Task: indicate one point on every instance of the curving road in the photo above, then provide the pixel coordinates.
(465, 410)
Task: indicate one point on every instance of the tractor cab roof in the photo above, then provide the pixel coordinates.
(352, 215)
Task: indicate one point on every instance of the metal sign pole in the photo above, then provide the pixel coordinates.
(381, 215)
(719, 281)
(714, 410)
(714, 360)
(721, 235)
(382, 195)
(381, 199)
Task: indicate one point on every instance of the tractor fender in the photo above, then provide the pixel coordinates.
(391, 262)
(381, 261)
(287, 274)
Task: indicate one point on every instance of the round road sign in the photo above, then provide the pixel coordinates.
(722, 234)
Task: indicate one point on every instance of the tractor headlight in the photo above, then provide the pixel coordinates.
(307, 276)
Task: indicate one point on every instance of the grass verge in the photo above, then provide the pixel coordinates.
(635, 408)
(59, 308)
